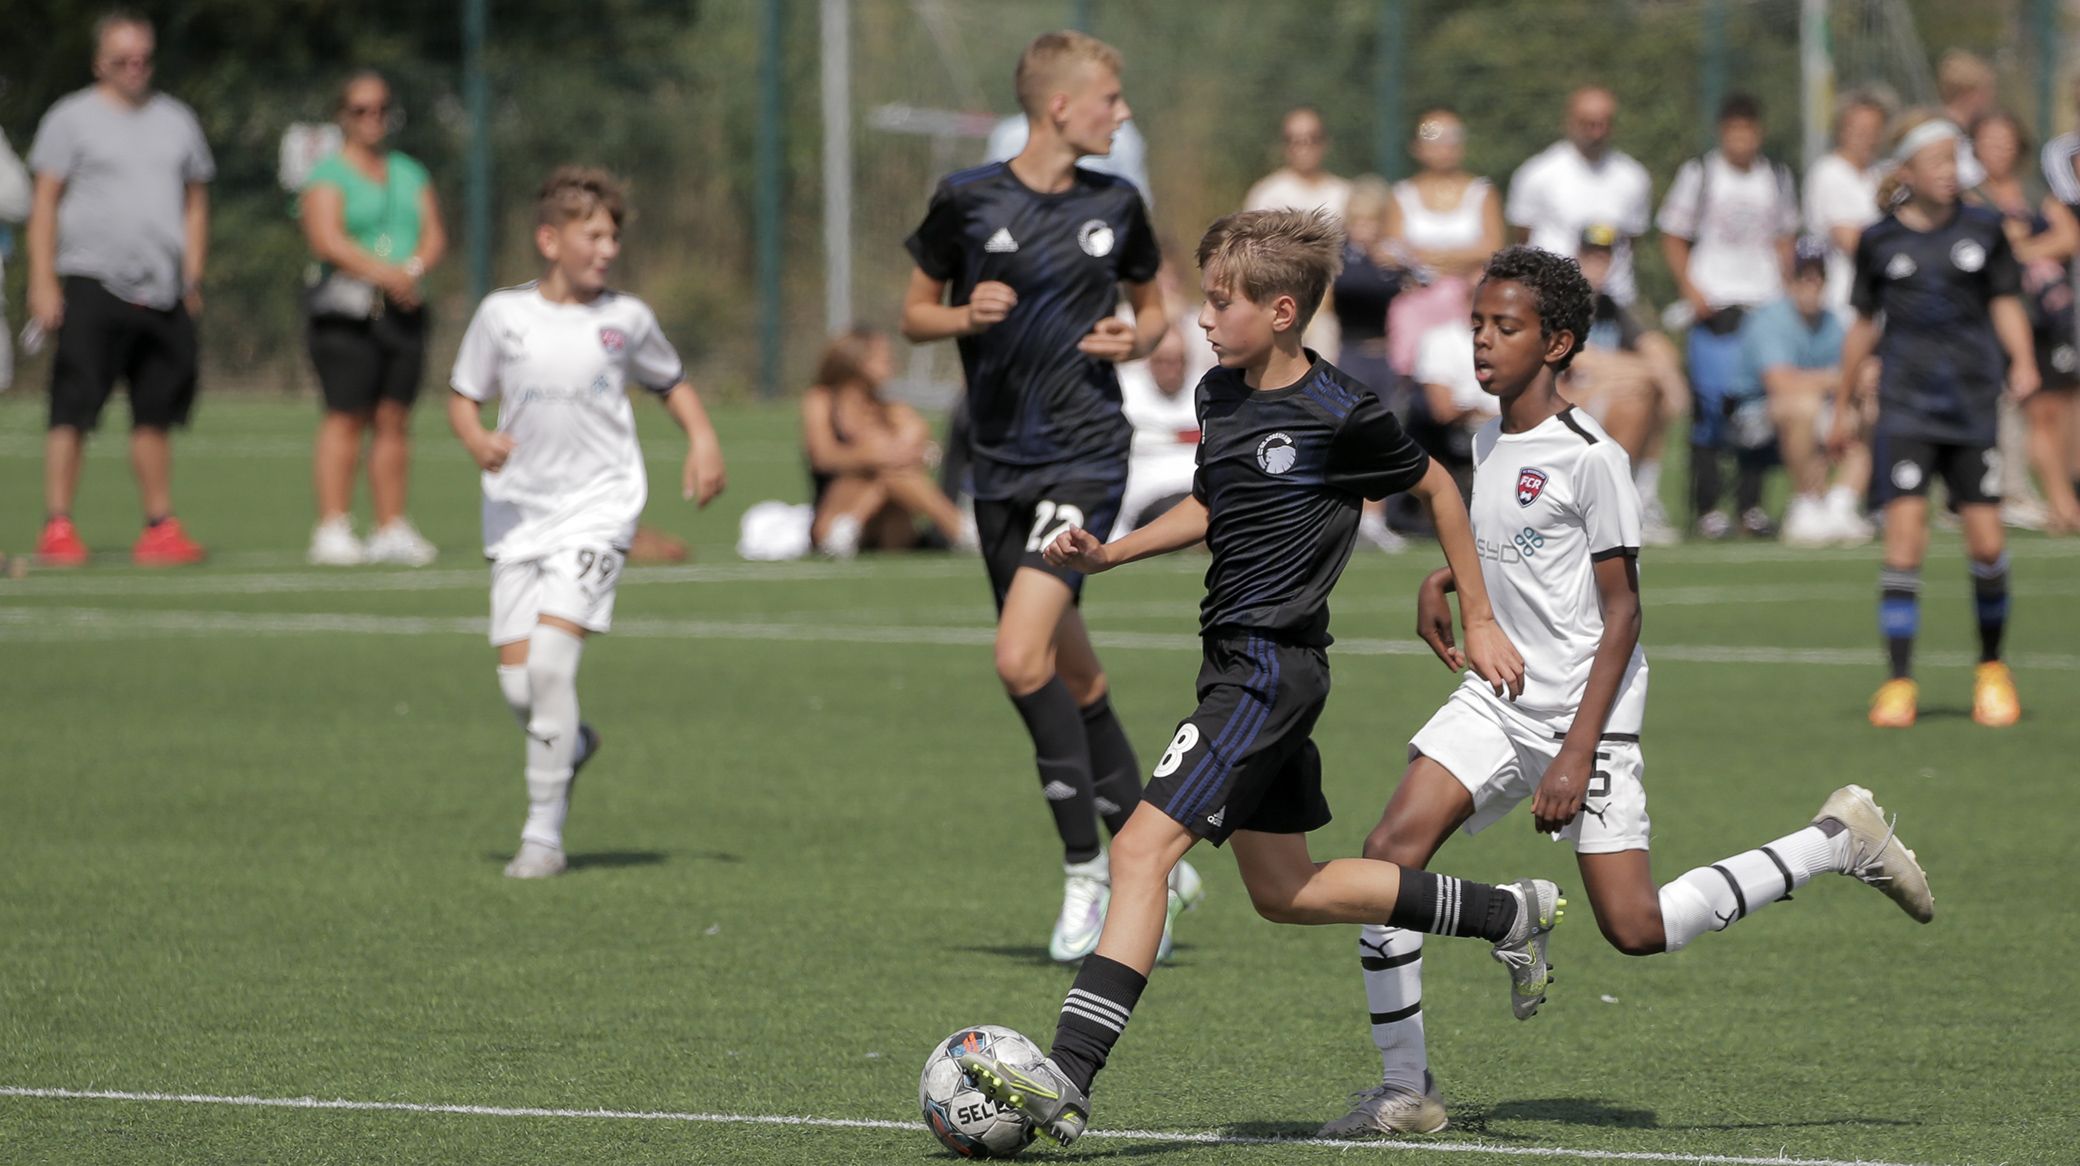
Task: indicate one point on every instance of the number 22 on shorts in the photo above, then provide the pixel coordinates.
(1063, 516)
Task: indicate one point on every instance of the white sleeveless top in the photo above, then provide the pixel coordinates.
(1431, 230)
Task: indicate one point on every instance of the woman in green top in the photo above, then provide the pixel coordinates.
(372, 222)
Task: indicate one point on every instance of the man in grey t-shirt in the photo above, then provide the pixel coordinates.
(118, 234)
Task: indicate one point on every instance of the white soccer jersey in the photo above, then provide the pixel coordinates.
(561, 374)
(1547, 503)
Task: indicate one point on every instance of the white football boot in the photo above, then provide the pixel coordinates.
(1523, 950)
(1876, 855)
(1187, 891)
(1391, 1109)
(399, 542)
(1808, 524)
(536, 861)
(1086, 892)
(333, 545)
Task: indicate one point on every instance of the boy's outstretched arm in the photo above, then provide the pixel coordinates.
(702, 477)
(1181, 526)
(1488, 650)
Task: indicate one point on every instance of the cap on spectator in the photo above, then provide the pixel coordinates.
(1811, 251)
(1600, 236)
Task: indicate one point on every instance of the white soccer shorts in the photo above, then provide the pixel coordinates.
(575, 584)
(1500, 756)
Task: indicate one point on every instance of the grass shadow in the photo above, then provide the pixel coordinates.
(1574, 1111)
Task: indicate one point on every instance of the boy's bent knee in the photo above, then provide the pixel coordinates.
(1023, 669)
(1634, 936)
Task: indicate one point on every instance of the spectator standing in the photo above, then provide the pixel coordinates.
(14, 207)
(1727, 227)
(1791, 352)
(1371, 281)
(1579, 182)
(1841, 191)
(1447, 222)
(118, 238)
(867, 455)
(1304, 183)
(2061, 164)
(2044, 235)
(1969, 90)
(374, 226)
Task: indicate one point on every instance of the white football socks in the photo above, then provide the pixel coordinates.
(552, 731)
(1713, 898)
(512, 683)
(1393, 961)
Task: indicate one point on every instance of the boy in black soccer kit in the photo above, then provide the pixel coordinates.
(1290, 449)
(1034, 252)
(1955, 334)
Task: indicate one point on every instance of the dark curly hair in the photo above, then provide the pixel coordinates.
(1566, 303)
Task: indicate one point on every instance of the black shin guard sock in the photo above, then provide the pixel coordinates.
(1704, 481)
(1442, 905)
(1899, 616)
(1990, 603)
(1094, 1016)
(1064, 763)
(1115, 774)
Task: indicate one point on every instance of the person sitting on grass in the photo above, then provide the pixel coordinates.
(868, 456)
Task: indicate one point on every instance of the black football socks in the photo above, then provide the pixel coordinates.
(1064, 761)
(1442, 905)
(1115, 774)
(1094, 1015)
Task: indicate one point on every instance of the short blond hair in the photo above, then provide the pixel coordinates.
(572, 193)
(1045, 67)
(1961, 72)
(1267, 254)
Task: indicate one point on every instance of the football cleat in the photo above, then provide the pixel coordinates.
(1876, 855)
(1523, 950)
(1086, 892)
(1894, 705)
(1047, 1098)
(1391, 1109)
(536, 861)
(1994, 703)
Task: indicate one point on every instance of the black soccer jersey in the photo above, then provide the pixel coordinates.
(1282, 473)
(1038, 408)
(1943, 366)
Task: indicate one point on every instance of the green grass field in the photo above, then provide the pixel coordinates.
(253, 814)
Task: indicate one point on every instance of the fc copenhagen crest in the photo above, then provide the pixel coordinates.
(614, 340)
(1277, 453)
(1530, 484)
(1095, 237)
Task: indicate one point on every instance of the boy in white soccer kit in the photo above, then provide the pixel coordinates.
(564, 481)
(1556, 520)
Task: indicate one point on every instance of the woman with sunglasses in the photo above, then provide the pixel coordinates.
(374, 228)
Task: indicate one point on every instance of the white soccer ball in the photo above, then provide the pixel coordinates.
(960, 1115)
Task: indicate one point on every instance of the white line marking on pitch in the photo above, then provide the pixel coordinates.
(847, 1123)
(64, 624)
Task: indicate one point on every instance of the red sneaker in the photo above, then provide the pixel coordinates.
(60, 545)
(166, 545)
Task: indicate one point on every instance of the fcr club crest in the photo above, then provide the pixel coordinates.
(1530, 484)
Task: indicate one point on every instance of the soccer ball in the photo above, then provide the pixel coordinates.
(961, 1116)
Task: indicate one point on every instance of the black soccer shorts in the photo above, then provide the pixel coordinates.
(105, 339)
(1902, 467)
(1015, 530)
(1245, 760)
